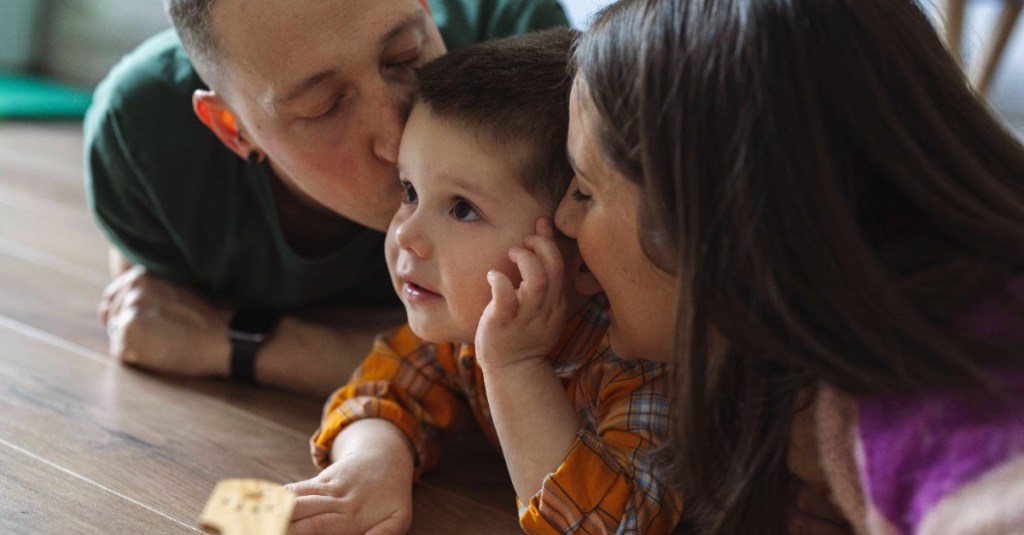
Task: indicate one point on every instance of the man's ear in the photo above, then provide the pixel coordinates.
(218, 117)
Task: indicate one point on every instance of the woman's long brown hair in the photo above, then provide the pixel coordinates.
(831, 193)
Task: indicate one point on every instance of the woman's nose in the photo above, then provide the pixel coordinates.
(567, 214)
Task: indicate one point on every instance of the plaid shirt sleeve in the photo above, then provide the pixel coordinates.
(406, 381)
(608, 482)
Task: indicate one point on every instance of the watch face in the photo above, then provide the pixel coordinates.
(254, 320)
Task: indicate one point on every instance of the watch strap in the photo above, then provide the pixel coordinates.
(247, 331)
(243, 359)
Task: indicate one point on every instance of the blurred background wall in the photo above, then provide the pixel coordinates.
(77, 41)
(74, 41)
(86, 37)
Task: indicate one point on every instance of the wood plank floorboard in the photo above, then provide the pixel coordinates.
(41, 498)
(52, 301)
(138, 437)
(45, 160)
(52, 241)
(62, 306)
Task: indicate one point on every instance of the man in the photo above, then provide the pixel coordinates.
(243, 175)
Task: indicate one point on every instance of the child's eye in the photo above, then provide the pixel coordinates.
(464, 211)
(579, 195)
(410, 196)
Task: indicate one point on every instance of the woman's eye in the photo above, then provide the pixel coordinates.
(463, 211)
(410, 196)
(579, 195)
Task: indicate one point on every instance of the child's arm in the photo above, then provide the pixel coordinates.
(598, 477)
(535, 422)
(367, 489)
(406, 381)
(609, 482)
(377, 433)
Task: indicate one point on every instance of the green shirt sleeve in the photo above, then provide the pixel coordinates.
(123, 205)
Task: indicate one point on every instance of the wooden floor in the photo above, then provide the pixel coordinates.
(88, 446)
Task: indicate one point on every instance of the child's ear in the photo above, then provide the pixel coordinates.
(218, 117)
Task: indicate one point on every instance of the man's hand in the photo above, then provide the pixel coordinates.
(164, 327)
(170, 328)
(367, 490)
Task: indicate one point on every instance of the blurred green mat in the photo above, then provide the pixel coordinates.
(29, 97)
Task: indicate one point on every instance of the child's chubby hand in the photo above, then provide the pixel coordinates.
(523, 324)
(366, 490)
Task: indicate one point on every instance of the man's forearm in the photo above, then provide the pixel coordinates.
(314, 353)
(171, 328)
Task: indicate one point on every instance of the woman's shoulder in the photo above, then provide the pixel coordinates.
(611, 375)
(901, 464)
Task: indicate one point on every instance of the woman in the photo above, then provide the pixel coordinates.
(844, 217)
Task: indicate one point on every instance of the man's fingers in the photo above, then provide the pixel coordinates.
(124, 288)
(103, 311)
(122, 281)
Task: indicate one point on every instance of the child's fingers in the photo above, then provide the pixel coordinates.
(388, 526)
(550, 259)
(503, 295)
(534, 287)
(339, 522)
(314, 504)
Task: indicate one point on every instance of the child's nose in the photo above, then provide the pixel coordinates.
(410, 236)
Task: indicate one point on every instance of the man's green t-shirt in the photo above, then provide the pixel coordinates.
(172, 198)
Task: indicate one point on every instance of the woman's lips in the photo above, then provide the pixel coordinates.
(586, 283)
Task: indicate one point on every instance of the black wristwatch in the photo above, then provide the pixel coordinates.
(250, 327)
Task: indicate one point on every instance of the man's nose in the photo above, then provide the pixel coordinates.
(394, 100)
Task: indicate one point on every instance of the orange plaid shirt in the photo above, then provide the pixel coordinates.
(606, 484)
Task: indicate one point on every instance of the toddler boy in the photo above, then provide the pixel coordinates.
(483, 165)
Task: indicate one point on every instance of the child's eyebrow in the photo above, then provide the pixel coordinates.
(471, 187)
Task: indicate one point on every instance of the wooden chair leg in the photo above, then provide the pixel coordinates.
(1008, 17)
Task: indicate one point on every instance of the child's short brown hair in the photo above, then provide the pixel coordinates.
(514, 93)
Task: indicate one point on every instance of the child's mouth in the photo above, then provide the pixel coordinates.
(414, 292)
